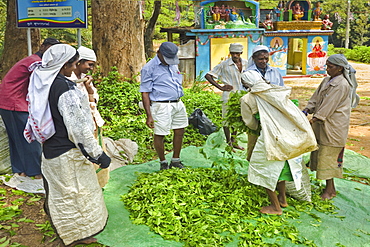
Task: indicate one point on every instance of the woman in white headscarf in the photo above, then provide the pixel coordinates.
(84, 82)
(331, 108)
(285, 135)
(74, 199)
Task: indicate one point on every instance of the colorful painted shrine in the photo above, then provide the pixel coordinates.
(229, 14)
(296, 46)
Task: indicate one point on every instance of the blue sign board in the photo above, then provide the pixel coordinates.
(51, 14)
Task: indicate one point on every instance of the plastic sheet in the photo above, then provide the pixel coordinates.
(350, 227)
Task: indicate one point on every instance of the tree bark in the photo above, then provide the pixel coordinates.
(117, 35)
(15, 41)
(148, 35)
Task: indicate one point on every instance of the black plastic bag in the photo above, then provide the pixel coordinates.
(200, 121)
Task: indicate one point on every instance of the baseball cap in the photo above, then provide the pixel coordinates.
(169, 52)
(51, 41)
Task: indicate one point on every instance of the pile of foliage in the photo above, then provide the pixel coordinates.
(118, 105)
(358, 53)
(214, 206)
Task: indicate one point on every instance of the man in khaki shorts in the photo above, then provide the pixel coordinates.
(161, 90)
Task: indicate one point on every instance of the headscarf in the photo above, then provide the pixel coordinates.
(349, 73)
(255, 49)
(251, 78)
(40, 125)
(86, 53)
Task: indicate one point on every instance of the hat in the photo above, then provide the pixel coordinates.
(256, 49)
(236, 47)
(50, 41)
(260, 48)
(169, 52)
(86, 53)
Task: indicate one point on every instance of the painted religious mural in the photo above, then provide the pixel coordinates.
(317, 55)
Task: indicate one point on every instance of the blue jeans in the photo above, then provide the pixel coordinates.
(25, 157)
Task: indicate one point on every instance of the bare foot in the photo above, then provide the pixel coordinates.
(328, 195)
(84, 241)
(271, 210)
(236, 146)
(283, 205)
(38, 176)
(22, 174)
(282, 201)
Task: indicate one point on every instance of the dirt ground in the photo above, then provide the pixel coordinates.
(27, 234)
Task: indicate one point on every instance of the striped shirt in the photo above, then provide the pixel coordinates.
(228, 73)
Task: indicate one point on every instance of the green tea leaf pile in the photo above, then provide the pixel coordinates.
(212, 207)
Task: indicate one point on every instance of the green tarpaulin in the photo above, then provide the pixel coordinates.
(349, 227)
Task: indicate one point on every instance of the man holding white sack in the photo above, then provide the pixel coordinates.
(259, 62)
(285, 135)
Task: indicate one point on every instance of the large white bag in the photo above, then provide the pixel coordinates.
(287, 131)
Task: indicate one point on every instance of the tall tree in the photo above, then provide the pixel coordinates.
(149, 30)
(15, 41)
(117, 34)
(359, 24)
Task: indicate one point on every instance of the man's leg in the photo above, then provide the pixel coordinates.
(252, 140)
(159, 146)
(230, 138)
(274, 207)
(177, 142)
(282, 194)
(227, 135)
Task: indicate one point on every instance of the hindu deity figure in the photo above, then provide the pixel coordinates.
(317, 12)
(233, 14)
(224, 14)
(216, 13)
(267, 24)
(326, 23)
(298, 11)
(279, 9)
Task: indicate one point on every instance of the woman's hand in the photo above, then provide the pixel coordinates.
(88, 84)
(312, 120)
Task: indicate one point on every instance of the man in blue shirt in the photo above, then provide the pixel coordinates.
(259, 62)
(161, 90)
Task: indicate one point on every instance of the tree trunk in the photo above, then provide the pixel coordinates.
(15, 41)
(117, 29)
(148, 35)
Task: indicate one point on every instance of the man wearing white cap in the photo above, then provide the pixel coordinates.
(229, 73)
(259, 63)
(161, 90)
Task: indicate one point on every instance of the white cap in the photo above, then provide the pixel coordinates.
(236, 47)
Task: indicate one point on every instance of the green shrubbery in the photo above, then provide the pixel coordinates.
(118, 105)
(358, 53)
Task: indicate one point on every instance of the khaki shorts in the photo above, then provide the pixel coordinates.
(168, 116)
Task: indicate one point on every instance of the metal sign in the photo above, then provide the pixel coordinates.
(51, 14)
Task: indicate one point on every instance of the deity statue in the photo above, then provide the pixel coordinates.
(326, 23)
(216, 13)
(233, 16)
(298, 11)
(317, 12)
(224, 14)
(279, 9)
(267, 24)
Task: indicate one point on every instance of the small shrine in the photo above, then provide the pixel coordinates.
(296, 32)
